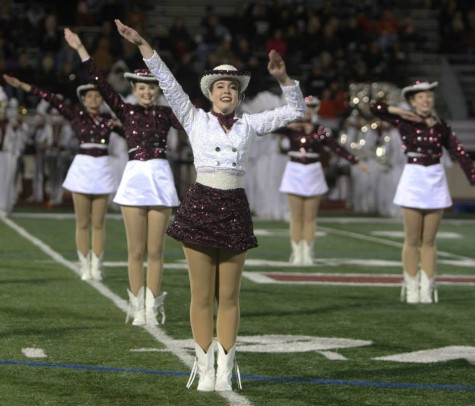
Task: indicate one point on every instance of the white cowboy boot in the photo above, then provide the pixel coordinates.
(224, 371)
(307, 253)
(136, 309)
(96, 267)
(204, 367)
(296, 255)
(85, 266)
(153, 306)
(428, 290)
(410, 288)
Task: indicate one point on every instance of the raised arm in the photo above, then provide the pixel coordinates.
(74, 42)
(57, 101)
(14, 82)
(135, 38)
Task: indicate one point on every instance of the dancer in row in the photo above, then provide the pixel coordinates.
(422, 191)
(147, 191)
(304, 181)
(214, 221)
(89, 178)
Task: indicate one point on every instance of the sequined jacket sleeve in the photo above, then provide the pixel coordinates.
(326, 138)
(85, 127)
(419, 138)
(111, 97)
(458, 153)
(268, 121)
(56, 101)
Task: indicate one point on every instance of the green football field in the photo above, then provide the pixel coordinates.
(335, 333)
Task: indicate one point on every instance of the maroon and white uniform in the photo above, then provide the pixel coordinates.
(423, 183)
(303, 174)
(147, 179)
(91, 170)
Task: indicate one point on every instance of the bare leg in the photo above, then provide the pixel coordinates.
(231, 265)
(296, 204)
(413, 220)
(429, 246)
(82, 211)
(157, 222)
(99, 210)
(202, 265)
(135, 219)
(310, 210)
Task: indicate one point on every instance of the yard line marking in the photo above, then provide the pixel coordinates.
(232, 397)
(347, 279)
(33, 353)
(447, 235)
(434, 355)
(333, 356)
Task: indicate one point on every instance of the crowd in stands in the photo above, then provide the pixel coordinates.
(327, 46)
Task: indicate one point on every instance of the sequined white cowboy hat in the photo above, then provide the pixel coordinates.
(141, 75)
(312, 101)
(81, 90)
(224, 72)
(418, 86)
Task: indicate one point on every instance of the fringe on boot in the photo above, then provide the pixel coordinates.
(204, 368)
(226, 363)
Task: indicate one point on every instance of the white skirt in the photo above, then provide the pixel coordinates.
(303, 180)
(90, 175)
(423, 187)
(147, 183)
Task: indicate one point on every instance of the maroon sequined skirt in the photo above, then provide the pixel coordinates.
(214, 218)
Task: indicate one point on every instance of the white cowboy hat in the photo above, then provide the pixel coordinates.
(224, 72)
(312, 101)
(141, 75)
(81, 90)
(418, 86)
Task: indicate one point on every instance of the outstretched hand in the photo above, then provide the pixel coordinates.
(276, 65)
(72, 39)
(12, 81)
(128, 33)
(405, 114)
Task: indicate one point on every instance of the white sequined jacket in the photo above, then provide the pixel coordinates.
(213, 148)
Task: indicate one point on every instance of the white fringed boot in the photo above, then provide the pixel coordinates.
(224, 372)
(96, 267)
(296, 255)
(204, 367)
(410, 288)
(153, 306)
(85, 266)
(307, 253)
(428, 290)
(136, 309)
